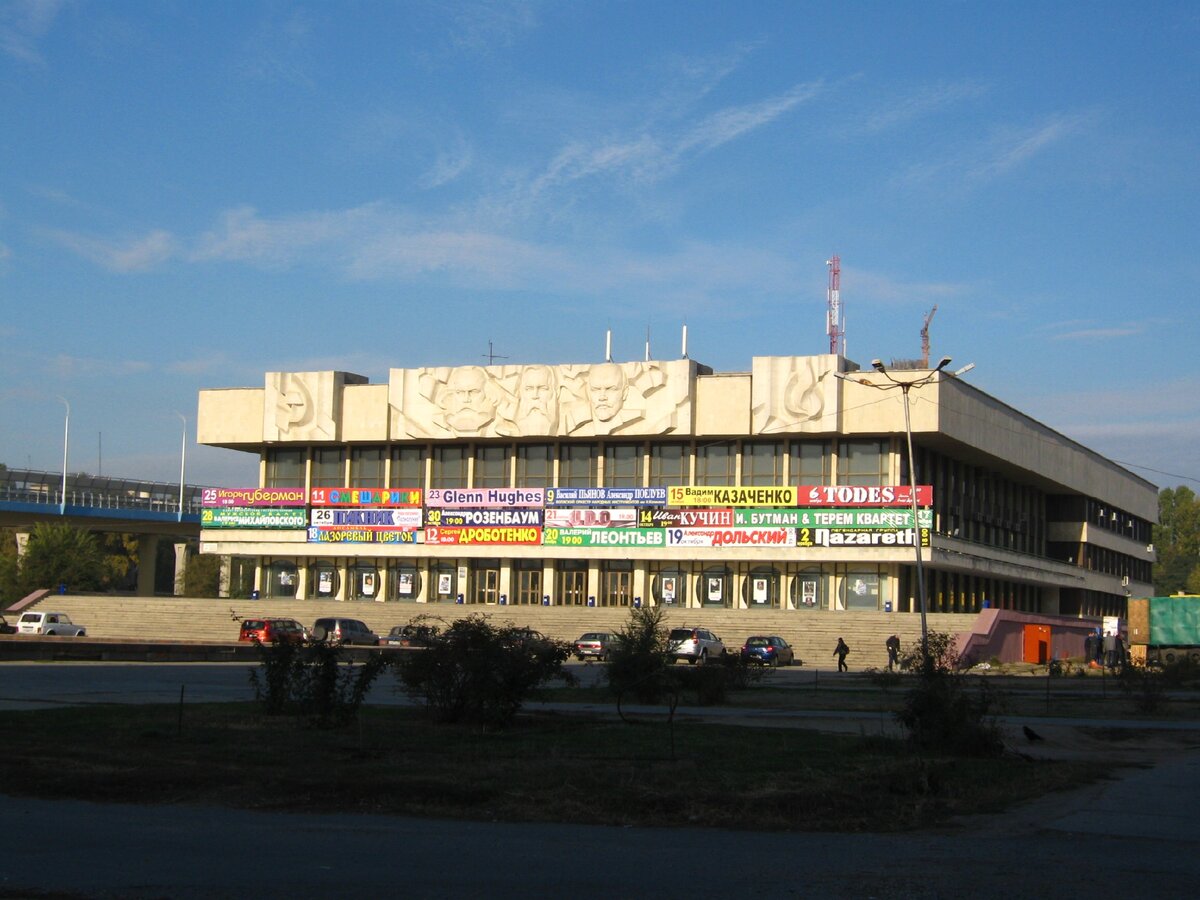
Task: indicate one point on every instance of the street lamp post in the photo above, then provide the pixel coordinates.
(182, 461)
(906, 385)
(62, 506)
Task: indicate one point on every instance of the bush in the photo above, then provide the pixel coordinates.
(311, 679)
(940, 712)
(478, 672)
(638, 664)
(202, 576)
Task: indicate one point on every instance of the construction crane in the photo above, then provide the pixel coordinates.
(834, 326)
(925, 338)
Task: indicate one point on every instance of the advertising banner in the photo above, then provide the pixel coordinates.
(828, 537)
(686, 518)
(713, 495)
(832, 518)
(603, 537)
(860, 495)
(606, 496)
(288, 496)
(483, 535)
(484, 498)
(458, 518)
(351, 535)
(407, 518)
(365, 497)
(252, 518)
(731, 537)
(592, 518)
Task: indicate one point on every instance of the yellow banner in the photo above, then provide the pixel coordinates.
(712, 495)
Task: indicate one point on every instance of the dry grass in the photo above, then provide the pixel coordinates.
(545, 768)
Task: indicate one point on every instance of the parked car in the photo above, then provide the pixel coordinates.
(5, 628)
(696, 645)
(49, 623)
(344, 631)
(768, 650)
(593, 644)
(270, 630)
(410, 636)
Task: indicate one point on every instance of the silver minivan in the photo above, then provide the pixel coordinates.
(696, 645)
(344, 631)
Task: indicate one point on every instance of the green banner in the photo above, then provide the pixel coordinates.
(238, 517)
(603, 537)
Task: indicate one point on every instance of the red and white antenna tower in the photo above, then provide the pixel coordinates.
(834, 325)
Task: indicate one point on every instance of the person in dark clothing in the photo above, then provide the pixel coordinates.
(840, 652)
(893, 649)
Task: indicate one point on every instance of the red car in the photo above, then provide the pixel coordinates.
(268, 631)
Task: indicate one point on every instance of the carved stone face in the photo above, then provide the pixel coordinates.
(606, 390)
(537, 404)
(466, 402)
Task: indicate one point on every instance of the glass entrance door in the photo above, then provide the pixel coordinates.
(616, 588)
(572, 587)
(529, 587)
(485, 584)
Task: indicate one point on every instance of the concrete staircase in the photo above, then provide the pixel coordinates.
(812, 634)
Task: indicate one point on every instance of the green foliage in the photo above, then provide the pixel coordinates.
(941, 712)
(638, 662)
(478, 672)
(58, 553)
(312, 679)
(202, 575)
(1176, 540)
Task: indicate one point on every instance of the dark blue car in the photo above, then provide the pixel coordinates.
(769, 650)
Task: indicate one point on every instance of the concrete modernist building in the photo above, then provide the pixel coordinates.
(785, 487)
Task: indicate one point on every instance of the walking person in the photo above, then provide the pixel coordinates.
(840, 652)
(893, 649)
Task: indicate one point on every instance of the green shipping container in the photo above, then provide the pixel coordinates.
(1174, 621)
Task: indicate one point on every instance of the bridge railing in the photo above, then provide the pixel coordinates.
(97, 492)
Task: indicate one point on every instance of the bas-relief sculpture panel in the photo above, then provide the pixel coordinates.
(300, 406)
(793, 394)
(554, 401)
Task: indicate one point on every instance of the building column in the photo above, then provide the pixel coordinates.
(147, 564)
(22, 543)
(506, 568)
(181, 557)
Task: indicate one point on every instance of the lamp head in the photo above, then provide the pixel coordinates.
(877, 364)
(942, 363)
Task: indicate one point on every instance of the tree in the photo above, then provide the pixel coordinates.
(202, 575)
(58, 553)
(1176, 540)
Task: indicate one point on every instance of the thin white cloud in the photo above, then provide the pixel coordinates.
(732, 122)
(23, 23)
(878, 288)
(244, 235)
(656, 152)
(5, 252)
(998, 155)
(278, 51)
(1099, 334)
(134, 255)
(449, 165)
(921, 103)
(486, 24)
(63, 365)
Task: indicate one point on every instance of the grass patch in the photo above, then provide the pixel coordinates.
(543, 768)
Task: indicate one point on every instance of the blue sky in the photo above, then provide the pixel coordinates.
(192, 194)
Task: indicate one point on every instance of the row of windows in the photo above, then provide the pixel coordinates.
(609, 464)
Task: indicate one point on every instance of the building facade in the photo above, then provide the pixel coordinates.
(661, 482)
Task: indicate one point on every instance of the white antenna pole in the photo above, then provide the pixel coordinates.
(647, 343)
(608, 345)
(685, 341)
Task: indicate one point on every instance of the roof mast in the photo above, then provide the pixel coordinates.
(834, 325)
